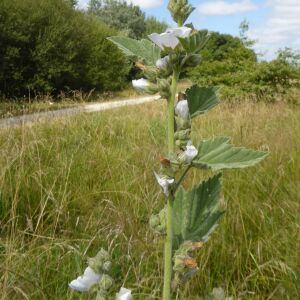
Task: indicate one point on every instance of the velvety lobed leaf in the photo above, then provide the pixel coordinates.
(195, 42)
(197, 212)
(143, 49)
(218, 154)
(201, 99)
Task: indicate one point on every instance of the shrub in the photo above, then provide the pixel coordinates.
(228, 63)
(120, 15)
(47, 46)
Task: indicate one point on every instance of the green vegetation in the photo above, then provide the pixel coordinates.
(229, 63)
(10, 108)
(47, 46)
(154, 25)
(70, 186)
(126, 18)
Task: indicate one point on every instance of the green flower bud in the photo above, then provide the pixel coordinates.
(97, 262)
(154, 221)
(106, 282)
(158, 222)
(181, 144)
(180, 10)
(151, 89)
(192, 60)
(182, 134)
(182, 124)
(100, 296)
(107, 266)
(151, 74)
(184, 264)
(164, 87)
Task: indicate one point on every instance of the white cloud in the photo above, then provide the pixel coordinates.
(141, 3)
(280, 29)
(147, 3)
(214, 8)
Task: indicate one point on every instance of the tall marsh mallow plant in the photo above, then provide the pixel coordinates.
(189, 217)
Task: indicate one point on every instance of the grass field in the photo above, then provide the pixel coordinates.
(71, 186)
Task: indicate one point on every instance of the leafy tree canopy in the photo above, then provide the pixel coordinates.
(120, 15)
(47, 46)
(154, 25)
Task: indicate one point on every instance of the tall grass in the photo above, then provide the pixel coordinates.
(71, 186)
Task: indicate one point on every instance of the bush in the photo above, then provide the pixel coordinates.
(47, 46)
(154, 25)
(120, 15)
(228, 63)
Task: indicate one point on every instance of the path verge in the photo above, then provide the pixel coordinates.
(87, 108)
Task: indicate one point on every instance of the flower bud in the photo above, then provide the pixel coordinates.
(180, 10)
(97, 263)
(154, 221)
(182, 134)
(182, 109)
(151, 74)
(182, 124)
(158, 222)
(106, 282)
(192, 60)
(163, 63)
(181, 144)
(107, 266)
(101, 296)
(164, 88)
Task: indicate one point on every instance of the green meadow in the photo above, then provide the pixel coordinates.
(73, 185)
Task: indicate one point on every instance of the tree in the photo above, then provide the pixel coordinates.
(47, 46)
(244, 28)
(124, 17)
(154, 25)
(226, 62)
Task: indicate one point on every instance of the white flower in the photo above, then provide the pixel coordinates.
(182, 109)
(190, 153)
(83, 283)
(169, 38)
(162, 63)
(164, 182)
(124, 294)
(140, 84)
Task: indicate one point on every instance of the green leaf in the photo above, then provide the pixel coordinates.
(218, 154)
(201, 99)
(143, 49)
(195, 42)
(196, 213)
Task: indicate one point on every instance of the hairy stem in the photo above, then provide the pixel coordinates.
(169, 237)
(182, 177)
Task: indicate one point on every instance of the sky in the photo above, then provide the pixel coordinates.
(273, 24)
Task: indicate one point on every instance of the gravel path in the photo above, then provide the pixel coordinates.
(87, 108)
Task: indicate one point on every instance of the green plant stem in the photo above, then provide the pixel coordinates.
(182, 177)
(171, 150)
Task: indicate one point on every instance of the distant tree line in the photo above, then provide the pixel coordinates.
(51, 46)
(230, 62)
